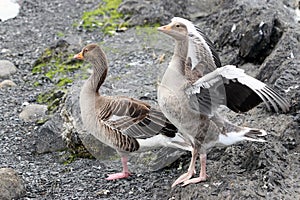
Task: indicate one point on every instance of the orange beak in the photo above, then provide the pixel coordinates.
(79, 56)
(165, 28)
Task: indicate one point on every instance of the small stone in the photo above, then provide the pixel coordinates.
(5, 51)
(7, 68)
(11, 185)
(7, 83)
(33, 112)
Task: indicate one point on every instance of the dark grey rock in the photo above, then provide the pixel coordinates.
(11, 184)
(258, 42)
(49, 138)
(151, 12)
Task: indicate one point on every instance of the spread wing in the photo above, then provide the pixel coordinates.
(210, 91)
(240, 92)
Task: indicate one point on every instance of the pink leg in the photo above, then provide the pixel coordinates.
(202, 176)
(190, 172)
(124, 174)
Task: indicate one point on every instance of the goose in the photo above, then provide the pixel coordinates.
(195, 86)
(125, 124)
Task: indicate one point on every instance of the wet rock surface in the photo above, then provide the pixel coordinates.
(137, 61)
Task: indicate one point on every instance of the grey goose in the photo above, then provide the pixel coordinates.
(195, 86)
(125, 124)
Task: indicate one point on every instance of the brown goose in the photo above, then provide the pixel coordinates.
(195, 85)
(126, 124)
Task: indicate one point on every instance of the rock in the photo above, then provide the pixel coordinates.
(7, 68)
(232, 25)
(197, 9)
(33, 113)
(283, 60)
(11, 185)
(49, 138)
(258, 42)
(151, 12)
(7, 83)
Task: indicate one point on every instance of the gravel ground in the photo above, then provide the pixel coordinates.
(244, 171)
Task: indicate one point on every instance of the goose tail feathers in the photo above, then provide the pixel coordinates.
(178, 141)
(249, 134)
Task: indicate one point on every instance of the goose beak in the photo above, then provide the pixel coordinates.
(79, 56)
(165, 28)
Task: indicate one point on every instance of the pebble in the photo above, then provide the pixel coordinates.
(33, 112)
(7, 83)
(11, 185)
(7, 68)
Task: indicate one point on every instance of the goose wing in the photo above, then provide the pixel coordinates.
(137, 119)
(211, 91)
(204, 58)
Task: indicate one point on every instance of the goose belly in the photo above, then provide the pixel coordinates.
(176, 108)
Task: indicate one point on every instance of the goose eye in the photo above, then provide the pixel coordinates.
(177, 25)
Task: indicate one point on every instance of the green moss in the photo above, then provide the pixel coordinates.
(60, 34)
(114, 157)
(64, 81)
(70, 159)
(106, 16)
(57, 66)
(42, 121)
(36, 83)
(79, 152)
(51, 98)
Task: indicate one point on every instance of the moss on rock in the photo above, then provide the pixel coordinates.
(57, 65)
(106, 16)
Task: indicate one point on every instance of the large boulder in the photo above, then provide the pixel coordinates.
(148, 12)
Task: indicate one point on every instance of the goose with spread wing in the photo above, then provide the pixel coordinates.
(125, 124)
(195, 85)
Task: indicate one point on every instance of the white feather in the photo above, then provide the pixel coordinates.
(160, 140)
(234, 137)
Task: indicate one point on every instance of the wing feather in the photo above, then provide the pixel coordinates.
(137, 119)
(223, 76)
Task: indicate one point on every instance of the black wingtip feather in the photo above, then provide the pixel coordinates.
(240, 98)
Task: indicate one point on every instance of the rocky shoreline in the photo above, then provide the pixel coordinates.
(43, 161)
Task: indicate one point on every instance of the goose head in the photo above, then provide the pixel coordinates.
(93, 54)
(175, 29)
